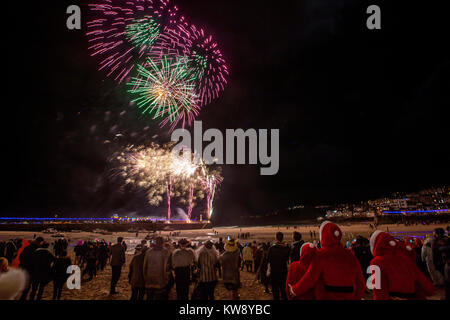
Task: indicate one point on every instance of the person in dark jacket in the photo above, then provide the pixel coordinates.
(445, 251)
(41, 273)
(11, 250)
(60, 274)
(261, 273)
(296, 246)
(26, 262)
(117, 261)
(102, 256)
(361, 250)
(91, 262)
(2, 249)
(278, 257)
(136, 274)
(220, 247)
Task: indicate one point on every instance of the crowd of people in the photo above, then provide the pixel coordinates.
(321, 269)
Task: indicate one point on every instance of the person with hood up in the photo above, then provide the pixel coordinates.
(334, 272)
(136, 275)
(405, 248)
(427, 258)
(399, 275)
(298, 268)
(157, 270)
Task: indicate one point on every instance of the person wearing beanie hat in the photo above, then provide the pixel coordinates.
(399, 275)
(298, 268)
(334, 272)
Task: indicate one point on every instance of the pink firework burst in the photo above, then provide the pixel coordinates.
(208, 68)
(123, 31)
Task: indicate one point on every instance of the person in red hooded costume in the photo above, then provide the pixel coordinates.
(399, 275)
(405, 248)
(298, 268)
(335, 272)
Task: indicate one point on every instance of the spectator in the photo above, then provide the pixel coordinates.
(60, 275)
(136, 274)
(26, 263)
(334, 271)
(427, 258)
(361, 250)
(278, 257)
(400, 276)
(91, 261)
(207, 258)
(117, 261)
(296, 245)
(182, 262)
(248, 257)
(41, 274)
(157, 270)
(261, 273)
(298, 268)
(439, 240)
(230, 264)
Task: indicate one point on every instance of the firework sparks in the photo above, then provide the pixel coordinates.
(166, 175)
(207, 66)
(161, 89)
(123, 31)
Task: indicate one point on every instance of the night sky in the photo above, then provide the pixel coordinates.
(361, 113)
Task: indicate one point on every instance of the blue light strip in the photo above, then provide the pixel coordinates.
(418, 211)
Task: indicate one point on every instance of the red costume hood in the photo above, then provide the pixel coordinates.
(405, 249)
(330, 235)
(307, 252)
(382, 243)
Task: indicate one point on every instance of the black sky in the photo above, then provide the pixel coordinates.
(361, 113)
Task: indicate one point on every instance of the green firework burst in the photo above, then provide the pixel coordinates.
(163, 90)
(142, 32)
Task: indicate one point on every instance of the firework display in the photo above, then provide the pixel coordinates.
(162, 174)
(162, 90)
(207, 67)
(174, 66)
(123, 31)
